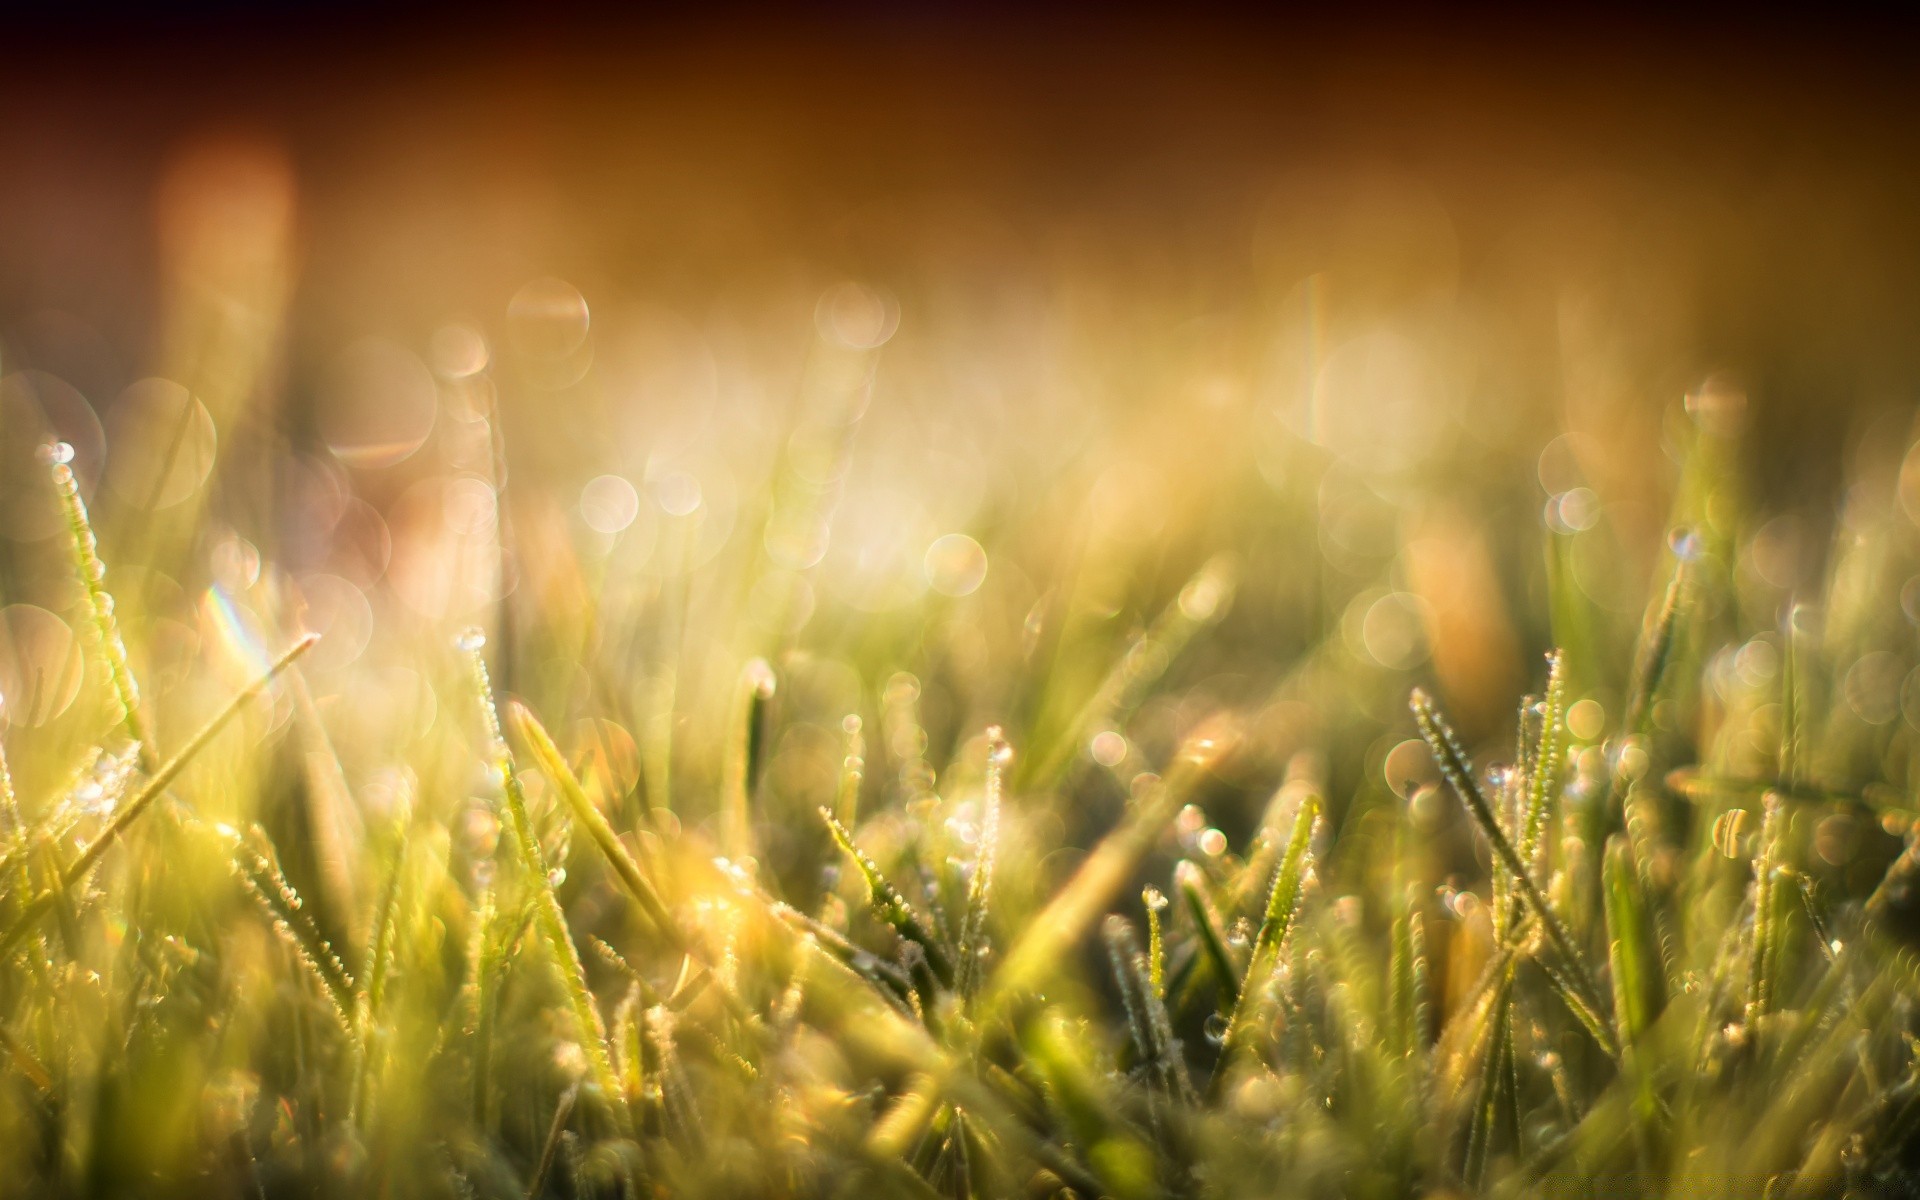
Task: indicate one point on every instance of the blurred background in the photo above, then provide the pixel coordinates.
(933, 343)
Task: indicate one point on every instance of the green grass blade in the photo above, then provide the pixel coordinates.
(547, 757)
(1283, 905)
(889, 905)
(1573, 970)
(548, 914)
(152, 790)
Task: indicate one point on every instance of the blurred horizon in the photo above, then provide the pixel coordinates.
(1750, 180)
(1119, 293)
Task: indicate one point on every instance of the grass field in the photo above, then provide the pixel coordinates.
(1174, 779)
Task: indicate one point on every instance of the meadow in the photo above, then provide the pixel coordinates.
(1159, 764)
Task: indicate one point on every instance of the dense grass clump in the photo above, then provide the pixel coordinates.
(635, 893)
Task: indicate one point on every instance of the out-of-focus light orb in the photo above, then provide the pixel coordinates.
(457, 352)
(1872, 687)
(1575, 510)
(1780, 551)
(1408, 765)
(1559, 467)
(377, 404)
(1586, 719)
(608, 504)
(235, 563)
(1392, 631)
(341, 614)
(677, 493)
(161, 444)
(856, 316)
(40, 666)
(548, 319)
(1380, 401)
(956, 565)
(471, 506)
(1108, 748)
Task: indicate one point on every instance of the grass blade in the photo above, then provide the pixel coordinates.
(1283, 904)
(547, 757)
(155, 786)
(1573, 972)
(548, 914)
(890, 906)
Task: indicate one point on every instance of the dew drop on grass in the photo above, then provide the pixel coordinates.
(1215, 1028)
(999, 750)
(1154, 898)
(556, 877)
(1728, 830)
(1685, 543)
(471, 638)
(1213, 843)
(56, 453)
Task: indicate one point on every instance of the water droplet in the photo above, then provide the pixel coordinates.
(56, 453)
(1154, 899)
(1215, 1028)
(1213, 843)
(471, 639)
(999, 750)
(761, 678)
(556, 877)
(1499, 775)
(1187, 874)
(1685, 543)
(1728, 829)
(1631, 758)
(1192, 820)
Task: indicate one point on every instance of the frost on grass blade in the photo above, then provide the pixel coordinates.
(548, 913)
(1570, 972)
